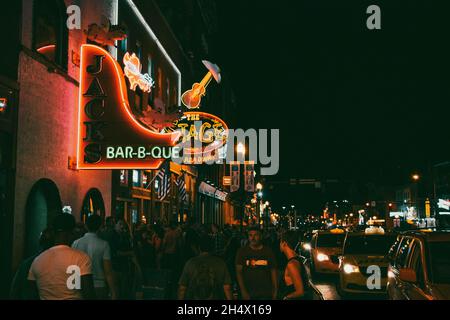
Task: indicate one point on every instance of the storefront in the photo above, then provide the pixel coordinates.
(211, 204)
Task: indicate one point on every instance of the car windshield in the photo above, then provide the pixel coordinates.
(440, 261)
(368, 244)
(330, 240)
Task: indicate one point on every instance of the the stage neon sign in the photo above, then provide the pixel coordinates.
(202, 135)
(109, 137)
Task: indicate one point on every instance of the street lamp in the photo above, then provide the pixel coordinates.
(241, 149)
(415, 177)
(259, 194)
(266, 215)
(295, 216)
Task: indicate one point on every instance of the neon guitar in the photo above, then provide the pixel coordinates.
(192, 98)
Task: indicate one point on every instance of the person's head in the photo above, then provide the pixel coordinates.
(93, 223)
(145, 235)
(214, 228)
(205, 243)
(109, 222)
(288, 241)
(172, 225)
(79, 230)
(63, 226)
(47, 239)
(121, 226)
(159, 231)
(254, 236)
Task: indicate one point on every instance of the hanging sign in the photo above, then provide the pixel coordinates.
(201, 137)
(109, 136)
(249, 170)
(235, 176)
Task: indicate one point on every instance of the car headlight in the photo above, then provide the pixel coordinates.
(350, 268)
(322, 257)
(307, 246)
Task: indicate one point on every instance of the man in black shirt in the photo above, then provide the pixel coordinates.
(256, 269)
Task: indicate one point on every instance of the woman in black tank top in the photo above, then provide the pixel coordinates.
(294, 284)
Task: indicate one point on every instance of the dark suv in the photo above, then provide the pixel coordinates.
(419, 267)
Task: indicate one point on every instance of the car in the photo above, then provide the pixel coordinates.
(363, 259)
(304, 248)
(326, 247)
(419, 267)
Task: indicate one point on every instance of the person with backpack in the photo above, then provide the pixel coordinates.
(206, 276)
(294, 283)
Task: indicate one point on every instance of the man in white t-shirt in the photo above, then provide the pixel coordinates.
(62, 273)
(100, 254)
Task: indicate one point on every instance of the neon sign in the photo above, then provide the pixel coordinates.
(132, 70)
(202, 135)
(3, 104)
(192, 98)
(109, 137)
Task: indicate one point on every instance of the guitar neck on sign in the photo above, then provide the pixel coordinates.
(192, 98)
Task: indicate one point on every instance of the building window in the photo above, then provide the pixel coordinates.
(150, 71)
(50, 37)
(138, 99)
(122, 46)
(136, 178)
(124, 177)
(92, 204)
(167, 102)
(139, 50)
(146, 178)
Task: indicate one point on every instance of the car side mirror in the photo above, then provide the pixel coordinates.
(408, 275)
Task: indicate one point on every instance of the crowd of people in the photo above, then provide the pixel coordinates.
(108, 260)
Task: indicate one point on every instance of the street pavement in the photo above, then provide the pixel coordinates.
(326, 284)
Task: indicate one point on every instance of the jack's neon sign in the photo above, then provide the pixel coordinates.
(109, 137)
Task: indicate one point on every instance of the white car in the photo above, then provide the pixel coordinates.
(363, 264)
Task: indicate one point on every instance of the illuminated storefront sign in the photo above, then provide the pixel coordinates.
(3, 104)
(445, 205)
(109, 136)
(211, 191)
(202, 135)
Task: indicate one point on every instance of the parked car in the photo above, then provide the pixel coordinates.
(364, 256)
(419, 267)
(326, 247)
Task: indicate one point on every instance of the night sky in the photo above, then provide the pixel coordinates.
(351, 103)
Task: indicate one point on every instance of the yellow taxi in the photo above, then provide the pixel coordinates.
(326, 247)
(363, 264)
